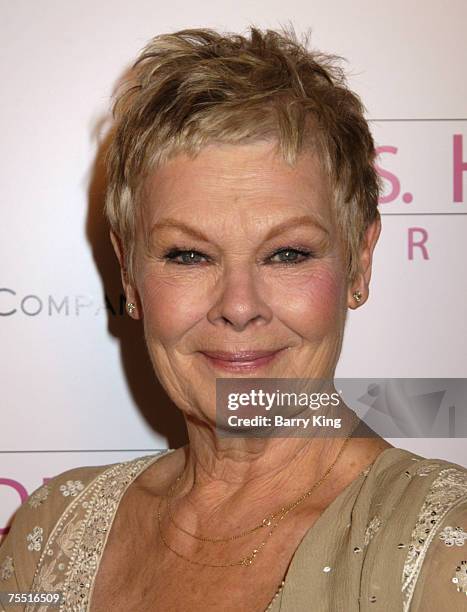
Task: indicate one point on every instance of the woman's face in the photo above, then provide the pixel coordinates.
(236, 251)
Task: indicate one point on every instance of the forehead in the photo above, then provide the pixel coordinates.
(237, 179)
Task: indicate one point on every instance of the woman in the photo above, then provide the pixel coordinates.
(242, 201)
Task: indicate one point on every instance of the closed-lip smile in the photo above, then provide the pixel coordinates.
(241, 360)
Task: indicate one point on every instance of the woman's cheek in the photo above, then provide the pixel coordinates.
(316, 301)
(171, 306)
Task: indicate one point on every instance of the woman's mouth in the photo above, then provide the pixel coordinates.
(243, 361)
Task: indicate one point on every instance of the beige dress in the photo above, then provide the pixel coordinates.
(395, 539)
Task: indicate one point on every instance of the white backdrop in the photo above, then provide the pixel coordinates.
(67, 360)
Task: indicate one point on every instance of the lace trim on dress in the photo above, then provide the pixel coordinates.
(7, 568)
(39, 496)
(372, 529)
(447, 490)
(72, 553)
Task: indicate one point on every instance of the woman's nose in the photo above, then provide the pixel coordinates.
(239, 300)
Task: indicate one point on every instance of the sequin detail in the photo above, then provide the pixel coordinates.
(460, 577)
(79, 536)
(425, 470)
(71, 487)
(6, 568)
(453, 536)
(276, 595)
(447, 490)
(39, 496)
(35, 539)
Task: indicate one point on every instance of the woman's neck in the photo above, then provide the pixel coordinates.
(224, 477)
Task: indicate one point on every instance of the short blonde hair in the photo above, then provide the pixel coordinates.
(197, 86)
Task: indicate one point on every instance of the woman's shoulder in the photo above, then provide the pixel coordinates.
(398, 472)
(418, 510)
(56, 511)
(415, 491)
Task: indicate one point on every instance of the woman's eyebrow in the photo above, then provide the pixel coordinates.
(289, 223)
(308, 220)
(169, 223)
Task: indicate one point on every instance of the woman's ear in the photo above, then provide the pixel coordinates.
(359, 289)
(130, 292)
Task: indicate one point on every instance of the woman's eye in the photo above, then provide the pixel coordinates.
(289, 255)
(189, 257)
(184, 257)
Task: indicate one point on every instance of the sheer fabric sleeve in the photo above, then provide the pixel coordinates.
(442, 584)
(22, 548)
(9, 581)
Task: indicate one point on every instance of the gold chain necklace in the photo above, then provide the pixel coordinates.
(267, 522)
